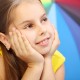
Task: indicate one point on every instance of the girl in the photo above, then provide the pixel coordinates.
(28, 43)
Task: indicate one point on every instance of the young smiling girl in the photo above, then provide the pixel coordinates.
(28, 43)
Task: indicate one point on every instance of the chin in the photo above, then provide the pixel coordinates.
(44, 52)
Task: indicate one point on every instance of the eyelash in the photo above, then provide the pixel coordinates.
(28, 26)
(45, 19)
(31, 25)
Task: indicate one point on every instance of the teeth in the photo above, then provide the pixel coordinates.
(44, 42)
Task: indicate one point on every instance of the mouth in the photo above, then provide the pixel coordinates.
(44, 42)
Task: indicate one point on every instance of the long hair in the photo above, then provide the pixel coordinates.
(14, 67)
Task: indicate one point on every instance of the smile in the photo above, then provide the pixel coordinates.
(44, 42)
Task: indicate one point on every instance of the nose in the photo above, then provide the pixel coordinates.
(42, 29)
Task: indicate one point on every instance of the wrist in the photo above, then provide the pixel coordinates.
(33, 70)
(33, 65)
(47, 57)
(48, 60)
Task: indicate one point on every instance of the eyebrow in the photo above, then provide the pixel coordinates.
(30, 20)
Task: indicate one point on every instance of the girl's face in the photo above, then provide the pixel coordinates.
(31, 19)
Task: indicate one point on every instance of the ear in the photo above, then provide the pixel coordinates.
(4, 40)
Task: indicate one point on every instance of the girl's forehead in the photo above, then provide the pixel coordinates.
(25, 6)
(27, 9)
(27, 12)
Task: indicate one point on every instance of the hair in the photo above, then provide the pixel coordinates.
(14, 67)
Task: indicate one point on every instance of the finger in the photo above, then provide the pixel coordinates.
(56, 33)
(26, 42)
(56, 41)
(12, 42)
(15, 41)
(30, 49)
(21, 42)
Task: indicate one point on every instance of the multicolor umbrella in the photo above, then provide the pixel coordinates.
(65, 15)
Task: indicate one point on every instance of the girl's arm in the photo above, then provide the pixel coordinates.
(48, 73)
(60, 74)
(33, 72)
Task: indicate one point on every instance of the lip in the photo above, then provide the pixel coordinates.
(43, 40)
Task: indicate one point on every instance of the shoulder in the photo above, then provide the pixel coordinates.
(57, 60)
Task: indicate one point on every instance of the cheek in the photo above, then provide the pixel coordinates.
(50, 28)
(51, 31)
(31, 37)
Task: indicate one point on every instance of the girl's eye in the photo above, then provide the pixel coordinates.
(45, 19)
(28, 26)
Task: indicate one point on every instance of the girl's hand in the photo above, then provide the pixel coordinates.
(23, 49)
(55, 44)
